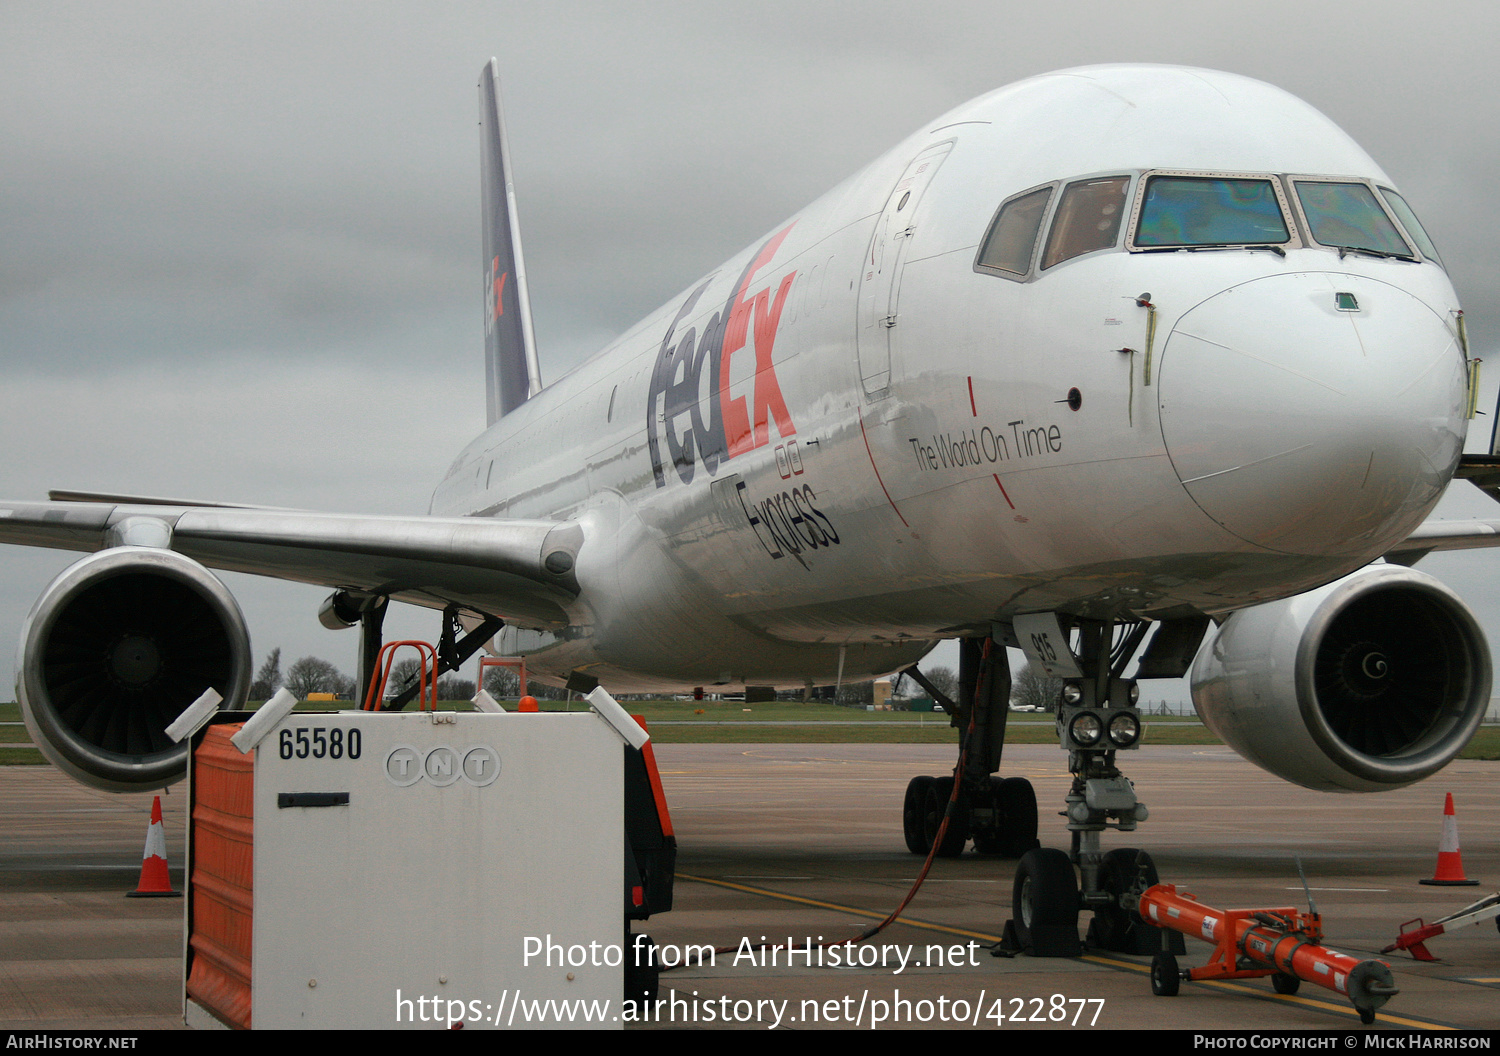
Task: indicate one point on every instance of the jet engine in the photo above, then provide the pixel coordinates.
(1372, 682)
(114, 649)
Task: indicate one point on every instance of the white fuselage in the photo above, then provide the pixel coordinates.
(849, 441)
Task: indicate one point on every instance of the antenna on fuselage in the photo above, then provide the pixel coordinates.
(512, 374)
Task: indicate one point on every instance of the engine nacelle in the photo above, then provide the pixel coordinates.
(114, 649)
(1372, 682)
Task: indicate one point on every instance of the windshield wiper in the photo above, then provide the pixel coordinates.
(1279, 251)
(1383, 254)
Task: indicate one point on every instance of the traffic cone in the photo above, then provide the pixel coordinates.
(155, 883)
(1450, 864)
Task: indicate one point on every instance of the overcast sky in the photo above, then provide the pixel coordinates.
(239, 243)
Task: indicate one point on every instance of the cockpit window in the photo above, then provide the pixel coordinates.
(1409, 221)
(1088, 218)
(1007, 247)
(1209, 211)
(1346, 215)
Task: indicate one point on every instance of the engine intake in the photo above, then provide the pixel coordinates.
(1373, 682)
(114, 649)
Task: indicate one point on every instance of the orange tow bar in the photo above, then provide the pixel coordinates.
(1283, 943)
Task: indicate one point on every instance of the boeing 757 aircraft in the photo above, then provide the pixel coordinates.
(1121, 365)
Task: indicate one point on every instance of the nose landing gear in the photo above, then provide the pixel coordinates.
(1045, 905)
(1096, 717)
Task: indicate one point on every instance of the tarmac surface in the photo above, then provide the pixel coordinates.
(803, 842)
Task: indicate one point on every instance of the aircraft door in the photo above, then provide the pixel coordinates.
(880, 282)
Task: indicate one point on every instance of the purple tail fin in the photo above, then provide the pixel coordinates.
(511, 372)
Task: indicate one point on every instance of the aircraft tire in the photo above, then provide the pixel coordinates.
(1117, 876)
(938, 794)
(913, 812)
(1045, 893)
(1015, 800)
(641, 980)
(1285, 984)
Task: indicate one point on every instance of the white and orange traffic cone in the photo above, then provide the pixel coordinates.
(155, 883)
(1450, 864)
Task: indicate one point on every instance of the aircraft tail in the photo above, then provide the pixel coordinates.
(512, 374)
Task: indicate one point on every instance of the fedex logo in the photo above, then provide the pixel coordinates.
(494, 289)
(711, 423)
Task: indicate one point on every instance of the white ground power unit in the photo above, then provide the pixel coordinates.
(418, 870)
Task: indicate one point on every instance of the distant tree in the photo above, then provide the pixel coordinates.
(268, 679)
(851, 693)
(1033, 688)
(455, 688)
(404, 674)
(312, 674)
(944, 680)
(502, 682)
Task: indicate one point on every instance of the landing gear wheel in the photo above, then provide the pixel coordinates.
(1115, 927)
(991, 839)
(1045, 895)
(1166, 980)
(642, 971)
(1015, 799)
(1285, 984)
(938, 794)
(1366, 1015)
(913, 811)
(1013, 831)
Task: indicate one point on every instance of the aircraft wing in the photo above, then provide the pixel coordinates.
(1444, 535)
(1483, 471)
(519, 570)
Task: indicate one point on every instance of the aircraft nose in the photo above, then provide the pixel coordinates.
(1315, 414)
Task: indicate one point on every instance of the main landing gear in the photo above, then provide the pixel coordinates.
(999, 814)
(345, 608)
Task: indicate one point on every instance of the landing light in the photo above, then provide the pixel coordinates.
(1086, 729)
(1096, 729)
(1124, 730)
